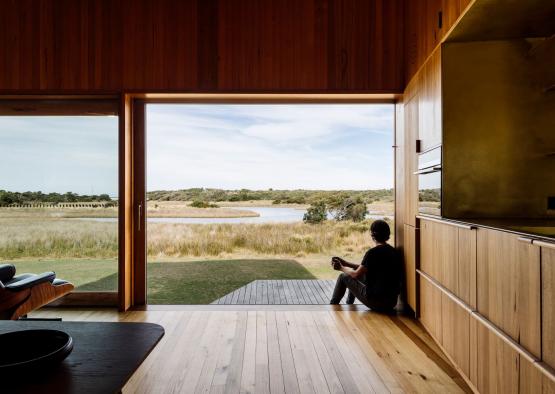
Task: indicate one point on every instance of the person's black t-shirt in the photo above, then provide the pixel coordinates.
(383, 275)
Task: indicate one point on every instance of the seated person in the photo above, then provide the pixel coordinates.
(376, 282)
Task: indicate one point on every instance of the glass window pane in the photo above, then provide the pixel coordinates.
(59, 197)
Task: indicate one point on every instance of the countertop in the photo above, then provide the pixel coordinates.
(541, 229)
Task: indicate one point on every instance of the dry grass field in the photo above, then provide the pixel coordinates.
(85, 251)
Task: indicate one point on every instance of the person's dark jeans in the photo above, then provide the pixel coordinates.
(356, 289)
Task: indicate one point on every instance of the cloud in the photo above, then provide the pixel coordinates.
(226, 146)
(258, 147)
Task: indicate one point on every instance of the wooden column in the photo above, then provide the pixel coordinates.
(132, 234)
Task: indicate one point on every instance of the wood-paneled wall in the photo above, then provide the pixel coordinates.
(422, 29)
(202, 45)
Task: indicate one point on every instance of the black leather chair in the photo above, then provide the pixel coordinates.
(21, 294)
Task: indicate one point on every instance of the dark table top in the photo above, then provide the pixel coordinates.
(104, 357)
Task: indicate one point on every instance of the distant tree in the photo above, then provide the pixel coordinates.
(316, 213)
(349, 209)
(202, 204)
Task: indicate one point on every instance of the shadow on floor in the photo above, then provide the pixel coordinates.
(202, 282)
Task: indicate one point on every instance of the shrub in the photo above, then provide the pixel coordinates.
(202, 204)
(316, 213)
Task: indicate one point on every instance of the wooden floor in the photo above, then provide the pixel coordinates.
(283, 351)
(281, 292)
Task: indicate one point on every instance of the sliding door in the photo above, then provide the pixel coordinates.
(59, 192)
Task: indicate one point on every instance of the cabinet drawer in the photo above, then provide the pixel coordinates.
(430, 308)
(494, 364)
(535, 379)
(455, 322)
(508, 286)
(448, 254)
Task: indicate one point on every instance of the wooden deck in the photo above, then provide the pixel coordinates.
(283, 351)
(281, 292)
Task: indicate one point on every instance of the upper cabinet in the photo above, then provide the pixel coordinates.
(429, 103)
(427, 22)
(497, 128)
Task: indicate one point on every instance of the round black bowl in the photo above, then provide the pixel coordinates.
(33, 349)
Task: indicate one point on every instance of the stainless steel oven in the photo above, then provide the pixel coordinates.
(429, 182)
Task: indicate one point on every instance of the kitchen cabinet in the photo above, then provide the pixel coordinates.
(429, 102)
(455, 323)
(430, 308)
(423, 32)
(438, 250)
(548, 302)
(494, 363)
(467, 265)
(535, 378)
(410, 252)
(508, 285)
(448, 254)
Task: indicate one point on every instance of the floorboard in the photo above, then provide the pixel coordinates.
(282, 351)
(281, 292)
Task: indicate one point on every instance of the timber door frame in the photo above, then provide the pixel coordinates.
(133, 224)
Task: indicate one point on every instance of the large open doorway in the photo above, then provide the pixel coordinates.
(246, 203)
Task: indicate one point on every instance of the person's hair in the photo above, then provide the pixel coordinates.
(380, 230)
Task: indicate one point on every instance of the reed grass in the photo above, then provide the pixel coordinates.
(58, 238)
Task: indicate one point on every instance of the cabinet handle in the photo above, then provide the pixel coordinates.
(449, 223)
(544, 244)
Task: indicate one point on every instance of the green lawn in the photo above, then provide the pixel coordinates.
(190, 282)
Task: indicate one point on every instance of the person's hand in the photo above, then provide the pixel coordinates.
(336, 263)
(339, 260)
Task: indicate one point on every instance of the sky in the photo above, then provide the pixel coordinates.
(319, 147)
(59, 154)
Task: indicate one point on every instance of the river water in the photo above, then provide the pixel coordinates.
(267, 215)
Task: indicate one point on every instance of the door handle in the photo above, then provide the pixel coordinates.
(140, 214)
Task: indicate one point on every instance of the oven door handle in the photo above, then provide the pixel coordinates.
(428, 170)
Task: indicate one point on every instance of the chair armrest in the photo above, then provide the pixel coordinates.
(7, 271)
(28, 282)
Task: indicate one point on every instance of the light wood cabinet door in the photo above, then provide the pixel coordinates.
(455, 323)
(448, 254)
(494, 364)
(467, 266)
(439, 252)
(548, 305)
(535, 379)
(429, 102)
(410, 252)
(430, 308)
(508, 286)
